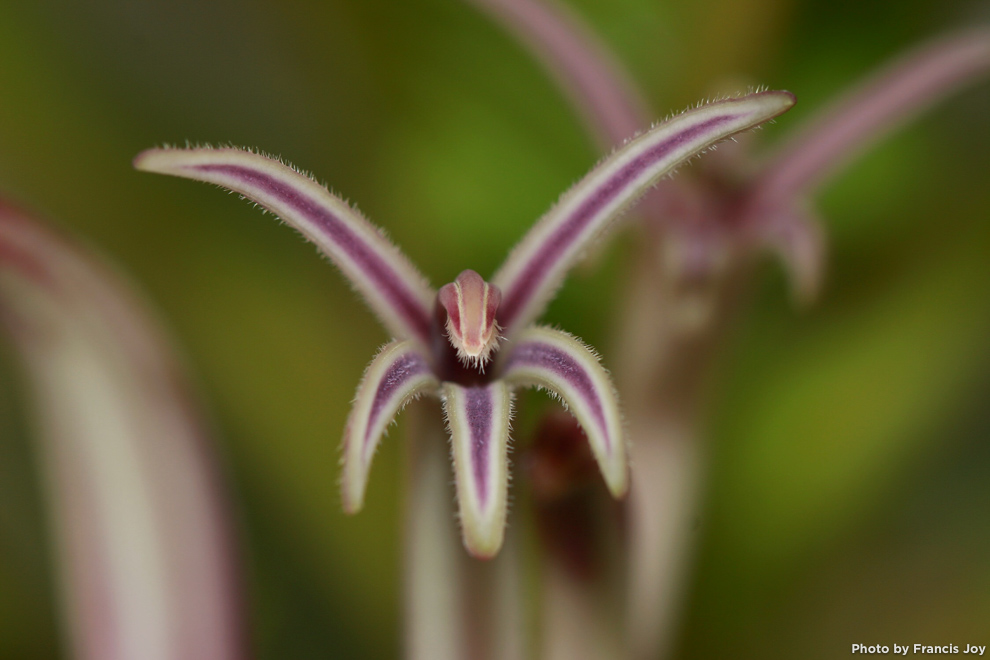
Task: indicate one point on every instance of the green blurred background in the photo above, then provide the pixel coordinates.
(849, 495)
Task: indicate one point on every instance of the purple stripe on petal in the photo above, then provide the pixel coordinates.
(478, 420)
(399, 373)
(565, 366)
(565, 369)
(567, 233)
(396, 375)
(389, 282)
(478, 410)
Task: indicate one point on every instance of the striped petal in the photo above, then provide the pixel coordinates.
(538, 265)
(561, 363)
(478, 421)
(398, 374)
(147, 563)
(390, 284)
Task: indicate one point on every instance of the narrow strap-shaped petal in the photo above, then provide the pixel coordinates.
(389, 282)
(539, 263)
(880, 104)
(145, 548)
(398, 374)
(478, 420)
(561, 363)
(596, 84)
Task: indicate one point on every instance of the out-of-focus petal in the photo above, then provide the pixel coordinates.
(597, 85)
(478, 420)
(398, 374)
(878, 105)
(145, 539)
(594, 80)
(798, 239)
(563, 365)
(393, 288)
(539, 263)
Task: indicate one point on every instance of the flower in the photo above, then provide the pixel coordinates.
(444, 342)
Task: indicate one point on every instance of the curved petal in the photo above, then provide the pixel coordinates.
(875, 107)
(561, 363)
(538, 264)
(598, 87)
(389, 282)
(146, 555)
(397, 375)
(478, 421)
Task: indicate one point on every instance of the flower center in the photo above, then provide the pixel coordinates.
(471, 303)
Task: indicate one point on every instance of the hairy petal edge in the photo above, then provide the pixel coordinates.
(478, 421)
(561, 363)
(398, 374)
(390, 284)
(538, 264)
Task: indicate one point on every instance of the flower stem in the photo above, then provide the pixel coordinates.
(432, 588)
(668, 336)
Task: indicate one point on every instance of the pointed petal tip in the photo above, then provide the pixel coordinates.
(618, 482)
(774, 102)
(148, 160)
(614, 468)
(352, 488)
(484, 549)
(352, 504)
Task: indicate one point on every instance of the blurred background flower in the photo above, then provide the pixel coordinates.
(849, 498)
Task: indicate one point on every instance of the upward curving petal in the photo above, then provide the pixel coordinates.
(478, 421)
(561, 363)
(389, 282)
(398, 374)
(878, 105)
(539, 263)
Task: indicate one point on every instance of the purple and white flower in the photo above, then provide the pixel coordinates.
(473, 342)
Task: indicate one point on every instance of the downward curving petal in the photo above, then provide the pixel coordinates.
(562, 364)
(478, 421)
(145, 545)
(398, 374)
(389, 282)
(796, 236)
(539, 263)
